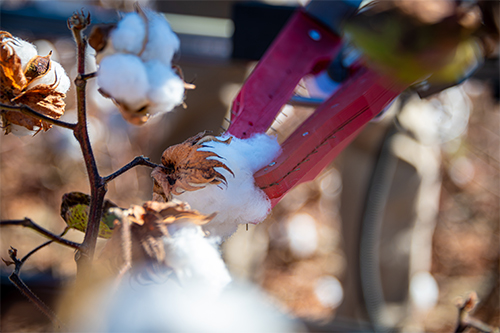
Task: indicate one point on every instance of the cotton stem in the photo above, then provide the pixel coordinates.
(77, 23)
(138, 160)
(32, 225)
(30, 112)
(15, 278)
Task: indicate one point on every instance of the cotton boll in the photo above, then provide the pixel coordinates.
(56, 77)
(128, 37)
(424, 290)
(329, 291)
(64, 82)
(22, 131)
(162, 41)
(24, 50)
(166, 307)
(124, 77)
(195, 260)
(166, 88)
(302, 235)
(239, 202)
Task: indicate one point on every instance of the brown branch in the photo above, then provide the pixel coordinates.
(24, 109)
(32, 225)
(138, 160)
(15, 278)
(465, 320)
(77, 23)
(88, 76)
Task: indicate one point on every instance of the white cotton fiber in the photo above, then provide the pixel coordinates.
(166, 88)
(167, 308)
(195, 260)
(124, 77)
(56, 73)
(24, 50)
(239, 202)
(148, 79)
(128, 37)
(162, 41)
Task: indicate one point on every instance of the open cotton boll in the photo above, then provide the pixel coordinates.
(22, 131)
(241, 201)
(166, 88)
(194, 259)
(165, 307)
(162, 41)
(128, 37)
(24, 50)
(124, 77)
(56, 76)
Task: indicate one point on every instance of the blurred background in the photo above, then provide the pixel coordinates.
(335, 252)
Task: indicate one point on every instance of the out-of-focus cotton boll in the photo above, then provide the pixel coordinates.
(195, 260)
(168, 308)
(302, 235)
(329, 291)
(124, 77)
(241, 201)
(24, 50)
(166, 88)
(162, 41)
(424, 290)
(128, 37)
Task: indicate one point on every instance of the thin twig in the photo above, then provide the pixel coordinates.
(23, 288)
(465, 320)
(32, 225)
(138, 160)
(39, 247)
(87, 76)
(30, 112)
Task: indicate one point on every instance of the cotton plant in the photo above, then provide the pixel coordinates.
(215, 174)
(203, 188)
(29, 79)
(135, 65)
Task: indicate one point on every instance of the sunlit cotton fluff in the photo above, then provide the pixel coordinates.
(194, 258)
(241, 201)
(167, 307)
(24, 50)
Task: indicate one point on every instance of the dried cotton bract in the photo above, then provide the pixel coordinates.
(135, 65)
(32, 80)
(152, 226)
(216, 175)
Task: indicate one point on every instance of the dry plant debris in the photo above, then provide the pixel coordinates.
(31, 80)
(187, 168)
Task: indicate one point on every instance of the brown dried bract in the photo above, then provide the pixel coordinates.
(186, 168)
(148, 225)
(99, 36)
(14, 90)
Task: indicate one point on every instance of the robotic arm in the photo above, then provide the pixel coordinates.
(307, 45)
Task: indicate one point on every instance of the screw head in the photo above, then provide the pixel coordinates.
(314, 34)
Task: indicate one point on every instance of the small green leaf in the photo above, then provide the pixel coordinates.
(75, 208)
